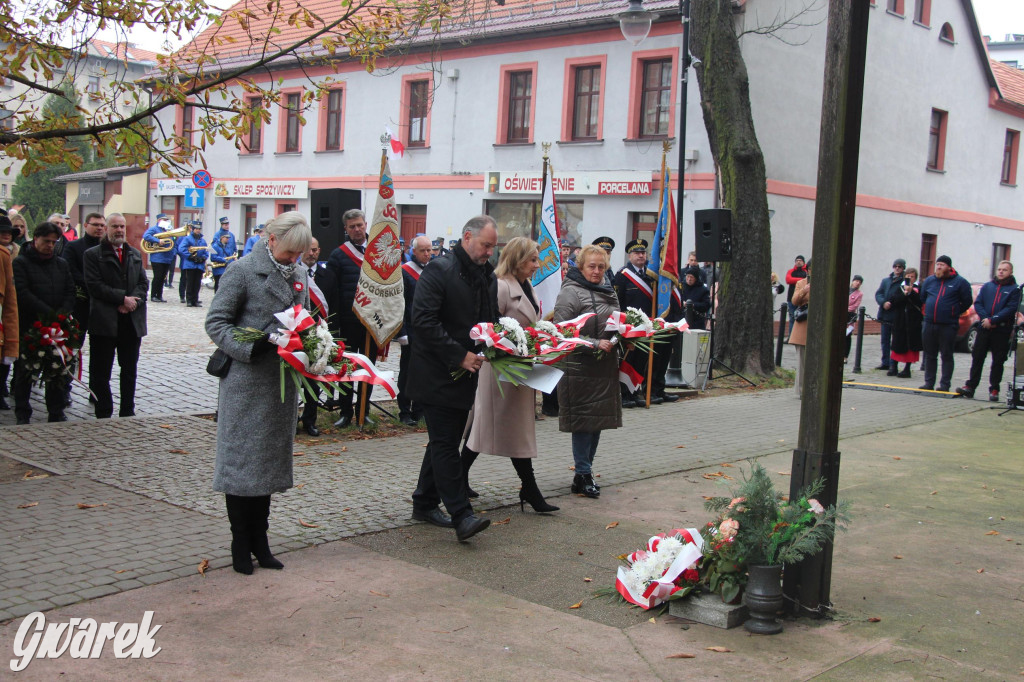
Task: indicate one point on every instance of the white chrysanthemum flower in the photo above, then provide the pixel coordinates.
(515, 333)
(547, 328)
(645, 322)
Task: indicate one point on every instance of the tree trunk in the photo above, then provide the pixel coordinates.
(743, 327)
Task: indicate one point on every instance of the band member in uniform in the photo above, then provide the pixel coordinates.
(194, 250)
(346, 262)
(408, 412)
(162, 262)
(635, 288)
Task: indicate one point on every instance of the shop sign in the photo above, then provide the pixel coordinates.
(262, 189)
(602, 183)
(173, 186)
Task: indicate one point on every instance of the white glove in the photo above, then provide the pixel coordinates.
(8, 360)
(403, 340)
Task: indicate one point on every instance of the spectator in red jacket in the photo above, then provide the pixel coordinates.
(794, 275)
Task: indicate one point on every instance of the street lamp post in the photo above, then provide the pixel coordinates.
(635, 24)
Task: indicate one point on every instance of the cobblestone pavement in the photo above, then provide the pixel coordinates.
(128, 501)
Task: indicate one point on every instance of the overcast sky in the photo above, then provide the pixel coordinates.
(999, 17)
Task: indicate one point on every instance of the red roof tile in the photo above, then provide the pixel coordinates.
(123, 51)
(1011, 82)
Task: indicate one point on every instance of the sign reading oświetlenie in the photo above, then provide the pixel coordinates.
(262, 189)
(82, 638)
(601, 183)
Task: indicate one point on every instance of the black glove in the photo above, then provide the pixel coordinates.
(262, 346)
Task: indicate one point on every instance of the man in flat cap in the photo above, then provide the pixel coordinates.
(944, 296)
(886, 315)
(635, 288)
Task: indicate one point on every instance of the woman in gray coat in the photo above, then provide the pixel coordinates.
(255, 430)
(589, 399)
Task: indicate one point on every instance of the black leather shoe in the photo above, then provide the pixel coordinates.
(407, 420)
(470, 526)
(583, 484)
(943, 389)
(657, 400)
(628, 403)
(882, 367)
(311, 430)
(965, 391)
(670, 397)
(434, 517)
(905, 374)
(892, 372)
(182, 300)
(926, 387)
(345, 420)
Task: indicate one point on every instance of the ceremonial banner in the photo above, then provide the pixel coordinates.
(665, 254)
(379, 301)
(547, 281)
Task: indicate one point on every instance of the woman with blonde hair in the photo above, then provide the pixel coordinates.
(255, 427)
(589, 399)
(503, 420)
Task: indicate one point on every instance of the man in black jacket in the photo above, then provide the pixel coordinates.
(634, 286)
(45, 287)
(73, 253)
(346, 262)
(324, 302)
(886, 315)
(454, 293)
(117, 312)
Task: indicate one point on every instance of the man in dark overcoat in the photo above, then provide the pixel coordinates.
(323, 304)
(409, 412)
(117, 287)
(635, 288)
(454, 293)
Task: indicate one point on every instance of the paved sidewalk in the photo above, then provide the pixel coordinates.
(926, 583)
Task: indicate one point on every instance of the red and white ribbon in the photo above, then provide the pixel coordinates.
(484, 332)
(576, 322)
(629, 377)
(54, 336)
(617, 322)
(657, 591)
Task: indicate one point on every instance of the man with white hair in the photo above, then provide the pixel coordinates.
(117, 316)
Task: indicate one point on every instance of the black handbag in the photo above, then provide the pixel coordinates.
(219, 364)
(800, 314)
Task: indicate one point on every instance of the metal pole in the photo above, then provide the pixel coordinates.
(860, 339)
(674, 376)
(782, 334)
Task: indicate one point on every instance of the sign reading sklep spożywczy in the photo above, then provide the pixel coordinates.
(265, 189)
(82, 638)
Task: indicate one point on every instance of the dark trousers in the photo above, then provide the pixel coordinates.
(101, 363)
(192, 279)
(938, 339)
(54, 395)
(662, 357)
(886, 342)
(406, 407)
(441, 478)
(156, 289)
(216, 283)
(309, 406)
(5, 373)
(355, 342)
(170, 274)
(997, 342)
(181, 281)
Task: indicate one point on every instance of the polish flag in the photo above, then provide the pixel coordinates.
(628, 376)
(397, 149)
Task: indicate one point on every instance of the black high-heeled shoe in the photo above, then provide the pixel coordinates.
(536, 500)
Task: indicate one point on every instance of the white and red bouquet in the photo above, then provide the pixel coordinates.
(49, 347)
(311, 356)
(640, 330)
(666, 570)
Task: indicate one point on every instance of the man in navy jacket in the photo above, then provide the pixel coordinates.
(944, 295)
(996, 306)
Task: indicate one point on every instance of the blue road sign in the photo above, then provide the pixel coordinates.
(195, 198)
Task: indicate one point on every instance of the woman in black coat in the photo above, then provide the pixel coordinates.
(906, 326)
(696, 298)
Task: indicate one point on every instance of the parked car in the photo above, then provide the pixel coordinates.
(970, 319)
(967, 332)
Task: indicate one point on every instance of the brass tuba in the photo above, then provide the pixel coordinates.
(166, 240)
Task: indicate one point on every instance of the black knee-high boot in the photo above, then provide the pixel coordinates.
(467, 459)
(260, 522)
(238, 516)
(530, 492)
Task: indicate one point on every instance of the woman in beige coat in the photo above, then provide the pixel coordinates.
(798, 337)
(503, 420)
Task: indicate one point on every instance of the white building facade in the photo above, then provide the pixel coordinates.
(939, 147)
